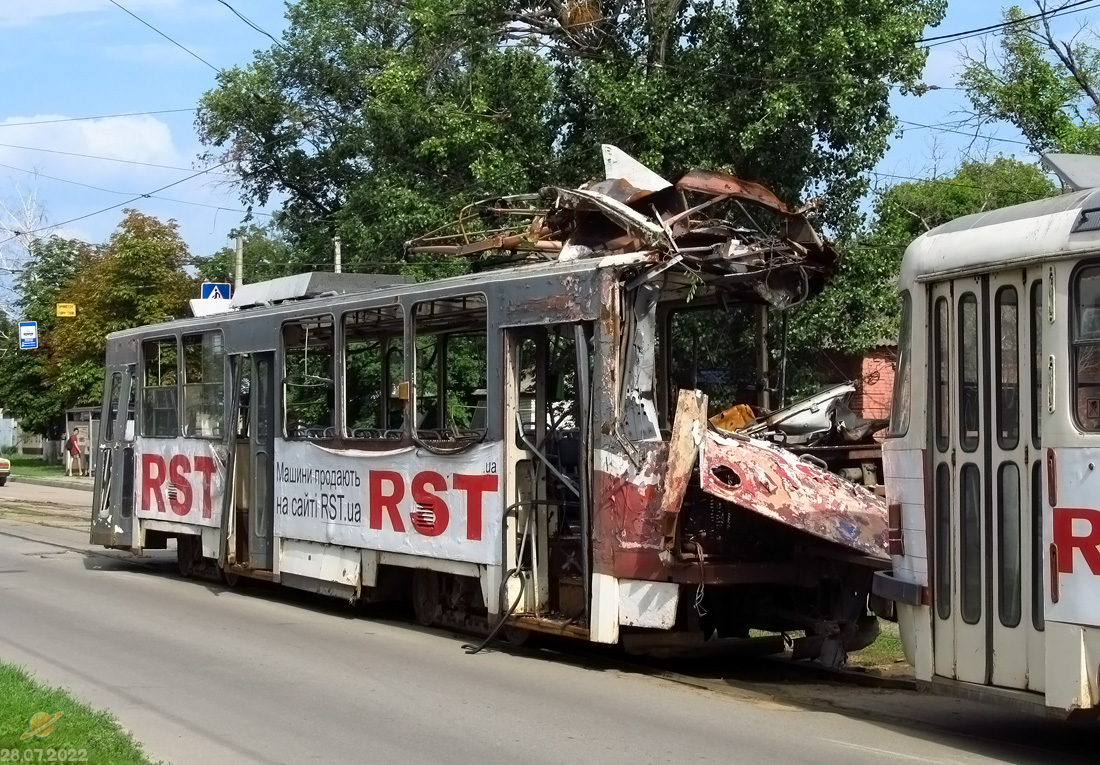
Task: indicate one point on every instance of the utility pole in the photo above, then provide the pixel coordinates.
(337, 263)
(238, 270)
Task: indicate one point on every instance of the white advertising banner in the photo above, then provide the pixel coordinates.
(405, 501)
(179, 479)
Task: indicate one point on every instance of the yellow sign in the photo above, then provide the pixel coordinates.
(40, 725)
(66, 309)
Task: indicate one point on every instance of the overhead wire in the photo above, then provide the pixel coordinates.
(127, 193)
(944, 129)
(101, 117)
(944, 39)
(100, 157)
(137, 197)
(252, 24)
(179, 45)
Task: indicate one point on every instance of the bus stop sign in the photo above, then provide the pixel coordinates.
(28, 335)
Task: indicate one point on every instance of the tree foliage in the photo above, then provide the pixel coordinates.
(859, 309)
(1047, 87)
(378, 120)
(266, 254)
(136, 278)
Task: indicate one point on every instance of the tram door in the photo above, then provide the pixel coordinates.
(113, 498)
(261, 408)
(982, 516)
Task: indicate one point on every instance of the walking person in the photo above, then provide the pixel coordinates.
(73, 454)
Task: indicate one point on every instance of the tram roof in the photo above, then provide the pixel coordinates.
(454, 285)
(1009, 237)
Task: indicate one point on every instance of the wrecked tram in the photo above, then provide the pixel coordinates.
(514, 443)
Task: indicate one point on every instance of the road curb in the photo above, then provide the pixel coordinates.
(54, 483)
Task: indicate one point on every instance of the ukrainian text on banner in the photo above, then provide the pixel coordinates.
(406, 500)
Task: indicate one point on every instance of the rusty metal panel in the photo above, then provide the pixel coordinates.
(548, 299)
(759, 477)
(716, 183)
(688, 428)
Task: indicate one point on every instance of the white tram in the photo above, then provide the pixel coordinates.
(992, 461)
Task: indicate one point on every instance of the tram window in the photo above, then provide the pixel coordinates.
(374, 368)
(159, 389)
(1038, 619)
(943, 541)
(941, 368)
(969, 369)
(244, 394)
(713, 349)
(112, 414)
(451, 368)
(900, 406)
(1086, 348)
(970, 553)
(308, 387)
(203, 385)
(1036, 362)
(1008, 544)
(1008, 368)
(112, 408)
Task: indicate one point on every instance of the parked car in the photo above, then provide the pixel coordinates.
(5, 468)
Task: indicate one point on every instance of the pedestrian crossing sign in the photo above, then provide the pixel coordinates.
(215, 291)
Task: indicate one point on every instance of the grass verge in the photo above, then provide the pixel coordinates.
(886, 652)
(32, 466)
(85, 735)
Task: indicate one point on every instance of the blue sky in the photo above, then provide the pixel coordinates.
(80, 58)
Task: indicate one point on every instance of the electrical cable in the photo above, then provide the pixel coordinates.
(472, 649)
(103, 159)
(112, 207)
(252, 24)
(100, 117)
(128, 193)
(179, 45)
(942, 129)
(956, 36)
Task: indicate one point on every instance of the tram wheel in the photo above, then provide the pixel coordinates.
(516, 636)
(231, 578)
(426, 597)
(185, 554)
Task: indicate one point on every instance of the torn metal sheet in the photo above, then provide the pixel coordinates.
(708, 231)
(687, 434)
(772, 482)
(618, 164)
(627, 219)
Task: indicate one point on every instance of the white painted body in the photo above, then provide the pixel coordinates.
(1047, 649)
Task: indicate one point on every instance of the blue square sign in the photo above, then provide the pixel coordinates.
(215, 291)
(28, 335)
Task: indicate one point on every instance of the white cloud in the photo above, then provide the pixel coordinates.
(133, 139)
(13, 12)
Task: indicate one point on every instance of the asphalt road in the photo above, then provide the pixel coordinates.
(203, 674)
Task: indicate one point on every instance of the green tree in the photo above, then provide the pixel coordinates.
(859, 309)
(27, 389)
(136, 279)
(266, 254)
(1046, 87)
(378, 120)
